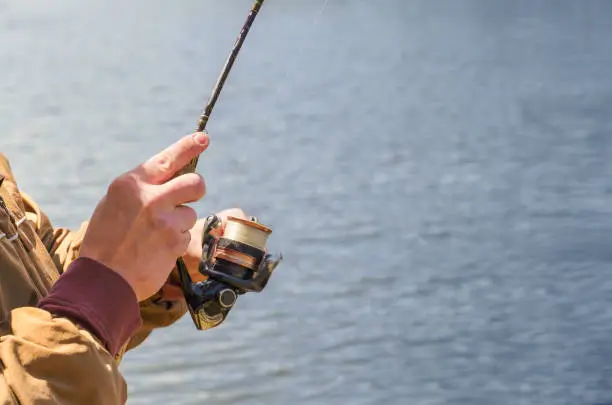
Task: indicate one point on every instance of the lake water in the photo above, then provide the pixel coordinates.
(438, 175)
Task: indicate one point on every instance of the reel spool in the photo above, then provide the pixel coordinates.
(234, 263)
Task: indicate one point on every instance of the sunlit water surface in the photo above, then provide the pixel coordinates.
(438, 175)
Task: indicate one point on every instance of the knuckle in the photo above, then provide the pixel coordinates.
(159, 223)
(188, 186)
(165, 163)
(117, 185)
(122, 185)
(196, 183)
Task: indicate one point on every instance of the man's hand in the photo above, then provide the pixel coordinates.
(141, 225)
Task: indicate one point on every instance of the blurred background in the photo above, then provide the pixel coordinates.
(437, 173)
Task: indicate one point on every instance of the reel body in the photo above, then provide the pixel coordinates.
(234, 263)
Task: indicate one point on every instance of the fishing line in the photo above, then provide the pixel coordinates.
(323, 9)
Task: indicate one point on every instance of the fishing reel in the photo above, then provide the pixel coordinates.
(235, 262)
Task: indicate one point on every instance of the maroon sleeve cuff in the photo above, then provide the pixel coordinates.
(98, 299)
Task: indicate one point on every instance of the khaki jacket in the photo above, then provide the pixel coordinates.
(47, 367)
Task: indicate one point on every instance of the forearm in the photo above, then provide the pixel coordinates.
(64, 350)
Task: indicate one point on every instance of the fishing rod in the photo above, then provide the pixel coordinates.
(236, 262)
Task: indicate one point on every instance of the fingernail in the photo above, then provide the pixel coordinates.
(201, 138)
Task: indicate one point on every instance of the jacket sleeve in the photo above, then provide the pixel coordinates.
(64, 351)
(51, 360)
(63, 245)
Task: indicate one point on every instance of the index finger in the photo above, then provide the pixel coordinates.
(165, 165)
